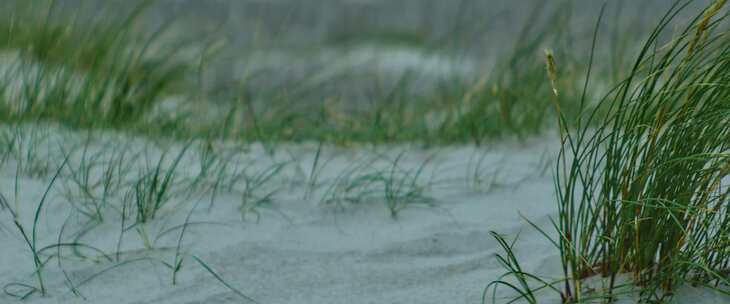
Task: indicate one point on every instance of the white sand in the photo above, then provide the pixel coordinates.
(301, 250)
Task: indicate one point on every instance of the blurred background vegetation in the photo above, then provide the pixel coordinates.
(375, 71)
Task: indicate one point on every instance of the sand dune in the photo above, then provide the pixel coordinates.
(309, 245)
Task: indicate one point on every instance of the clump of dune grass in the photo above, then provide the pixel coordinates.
(96, 72)
(153, 188)
(510, 99)
(480, 176)
(643, 196)
(382, 179)
(212, 171)
(96, 179)
(258, 191)
(25, 148)
(80, 70)
(514, 99)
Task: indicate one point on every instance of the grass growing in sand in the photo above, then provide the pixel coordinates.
(510, 100)
(96, 179)
(390, 182)
(89, 174)
(31, 240)
(103, 73)
(642, 177)
(643, 197)
(153, 188)
(84, 72)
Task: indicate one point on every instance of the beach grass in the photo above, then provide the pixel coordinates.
(94, 72)
(153, 188)
(643, 196)
(81, 71)
(31, 239)
(641, 179)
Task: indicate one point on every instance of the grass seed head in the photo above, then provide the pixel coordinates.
(711, 11)
(551, 70)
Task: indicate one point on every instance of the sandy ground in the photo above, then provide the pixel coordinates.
(319, 238)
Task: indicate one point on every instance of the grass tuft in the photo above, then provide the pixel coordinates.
(82, 71)
(382, 179)
(152, 190)
(643, 196)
